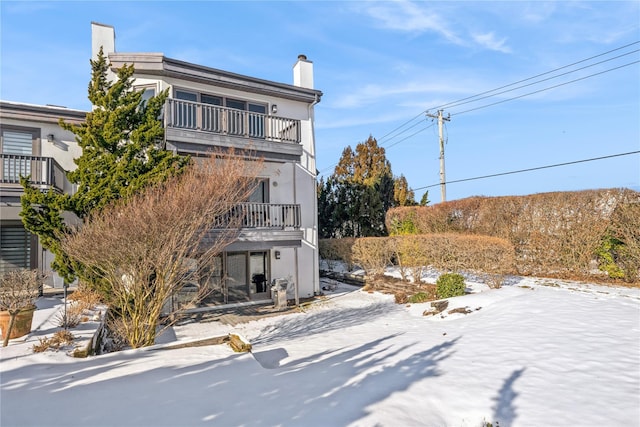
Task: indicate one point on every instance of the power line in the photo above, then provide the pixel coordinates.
(454, 104)
(402, 125)
(545, 89)
(413, 134)
(390, 145)
(534, 77)
(480, 96)
(531, 169)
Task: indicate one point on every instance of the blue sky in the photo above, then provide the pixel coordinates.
(381, 66)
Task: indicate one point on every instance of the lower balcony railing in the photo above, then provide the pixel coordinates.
(43, 171)
(228, 121)
(262, 215)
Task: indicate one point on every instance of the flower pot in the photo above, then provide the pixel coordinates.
(22, 325)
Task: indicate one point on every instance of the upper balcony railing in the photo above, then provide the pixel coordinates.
(43, 171)
(262, 215)
(228, 121)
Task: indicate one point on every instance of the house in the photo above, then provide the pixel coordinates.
(32, 143)
(210, 109)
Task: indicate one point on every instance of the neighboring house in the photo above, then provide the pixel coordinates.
(214, 109)
(32, 144)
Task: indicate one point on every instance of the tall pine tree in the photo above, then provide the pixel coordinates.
(358, 193)
(122, 152)
(354, 200)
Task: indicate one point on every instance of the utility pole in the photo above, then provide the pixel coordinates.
(441, 119)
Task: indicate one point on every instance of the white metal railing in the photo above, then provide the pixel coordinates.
(43, 171)
(228, 121)
(262, 215)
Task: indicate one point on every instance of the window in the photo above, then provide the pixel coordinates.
(20, 146)
(256, 121)
(261, 192)
(185, 113)
(15, 247)
(255, 118)
(147, 94)
(240, 117)
(235, 116)
(211, 116)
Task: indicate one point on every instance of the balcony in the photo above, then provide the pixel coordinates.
(262, 215)
(261, 226)
(228, 121)
(45, 172)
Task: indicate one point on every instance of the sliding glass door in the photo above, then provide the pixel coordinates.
(237, 285)
(239, 277)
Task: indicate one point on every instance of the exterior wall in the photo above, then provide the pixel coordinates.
(64, 147)
(289, 182)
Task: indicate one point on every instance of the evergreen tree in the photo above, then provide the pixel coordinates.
(424, 201)
(121, 141)
(326, 204)
(402, 194)
(358, 194)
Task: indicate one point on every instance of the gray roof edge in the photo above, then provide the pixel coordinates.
(157, 63)
(43, 110)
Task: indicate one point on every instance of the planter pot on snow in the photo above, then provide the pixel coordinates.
(22, 325)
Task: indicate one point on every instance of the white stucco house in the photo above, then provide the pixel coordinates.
(207, 109)
(214, 109)
(32, 143)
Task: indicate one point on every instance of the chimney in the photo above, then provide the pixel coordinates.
(102, 35)
(303, 72)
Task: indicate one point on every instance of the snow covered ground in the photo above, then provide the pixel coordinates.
(534, 353)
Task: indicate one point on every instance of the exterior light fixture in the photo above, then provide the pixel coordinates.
(277, 254)
(50, 137)
(274, 108)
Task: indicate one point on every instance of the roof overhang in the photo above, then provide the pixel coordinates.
(156, 64)
(40, 113)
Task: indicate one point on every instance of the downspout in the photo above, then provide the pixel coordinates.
(296, 290)
(316, 264)
(316, 286)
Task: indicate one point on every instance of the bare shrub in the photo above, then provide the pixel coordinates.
(411, 256)
(372, 253)
(85, 296)
(337, 250)
(625, 228)
(401, 297)
(494, 281)
(146, 250)
(552, 233)
(58, 340)
(72, 316)
(453, 252)
(18, 291)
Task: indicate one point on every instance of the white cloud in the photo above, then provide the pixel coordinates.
(418, 18)
(405, 16)
(489, 41)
